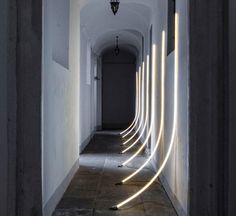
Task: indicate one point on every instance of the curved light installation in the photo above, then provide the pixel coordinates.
(163, 55)
(154, 71)
(176, 72)
(136, 105)
(142, 115)
(139, 106)
(147, 112)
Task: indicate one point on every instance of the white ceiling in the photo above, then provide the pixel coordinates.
(101, 27)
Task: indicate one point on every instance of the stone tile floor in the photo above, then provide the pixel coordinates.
(93, 191)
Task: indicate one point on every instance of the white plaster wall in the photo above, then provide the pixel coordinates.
(60, 103)
(176, 174)
(99, 94)
(87, 90)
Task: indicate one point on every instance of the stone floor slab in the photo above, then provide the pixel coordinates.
(93, 191)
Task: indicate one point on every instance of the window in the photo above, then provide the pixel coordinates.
(88, 77)
(60, 32)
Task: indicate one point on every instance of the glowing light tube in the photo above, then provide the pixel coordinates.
(136, 106)
(142, 115)
(147, 112)
(162, 111)
(176, 72)
(139, 106)
(154, 72)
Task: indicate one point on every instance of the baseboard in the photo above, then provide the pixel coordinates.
(99, 128)
(56, 197)
(178, 208)
(180, 211)
(86, 141)
(114, 126)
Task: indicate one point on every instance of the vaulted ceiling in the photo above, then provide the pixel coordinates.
(101, 27)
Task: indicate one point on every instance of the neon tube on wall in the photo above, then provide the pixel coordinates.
(142, 115)
(140, 121)
(147, 112)
(162, 111)
(176, 72)
(136, 106)
(139, 106)
(154, 71)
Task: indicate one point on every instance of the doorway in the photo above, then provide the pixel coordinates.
(118, 89)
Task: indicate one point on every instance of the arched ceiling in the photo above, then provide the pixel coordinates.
(101, 26)
(147, 3)
(128, 39)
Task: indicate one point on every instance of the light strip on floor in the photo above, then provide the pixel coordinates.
(176, 72)
(144, 113)
(139, 106)
(154, 72)
(163, 62)
(136, 106)
(147, 111)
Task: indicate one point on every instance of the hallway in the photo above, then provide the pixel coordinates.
(75, 72)
(93, 190)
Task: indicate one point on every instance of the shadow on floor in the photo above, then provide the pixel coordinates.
(92, 190)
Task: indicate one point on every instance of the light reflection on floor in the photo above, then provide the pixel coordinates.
(93, 191)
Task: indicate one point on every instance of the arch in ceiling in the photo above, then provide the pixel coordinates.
(147, 3)
(101, 26)
(122, 51)
(97, 19)
(126, 47)
(129, 38)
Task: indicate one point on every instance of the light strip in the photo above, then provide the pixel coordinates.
(142, 112)
(154, 72)
(146, 111)
(139, 105)
(136, 106)
(176, 72)
(162, 110)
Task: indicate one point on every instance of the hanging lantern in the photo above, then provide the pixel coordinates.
(115, 6)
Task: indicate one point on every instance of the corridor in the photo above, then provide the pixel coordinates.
(117, 107)
(93, 190)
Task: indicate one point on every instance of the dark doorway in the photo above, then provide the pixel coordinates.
(118, 89)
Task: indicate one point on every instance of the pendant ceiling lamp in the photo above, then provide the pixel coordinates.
(117, 50)
(115, 6)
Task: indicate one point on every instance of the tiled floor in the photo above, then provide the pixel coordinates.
(93, 190)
